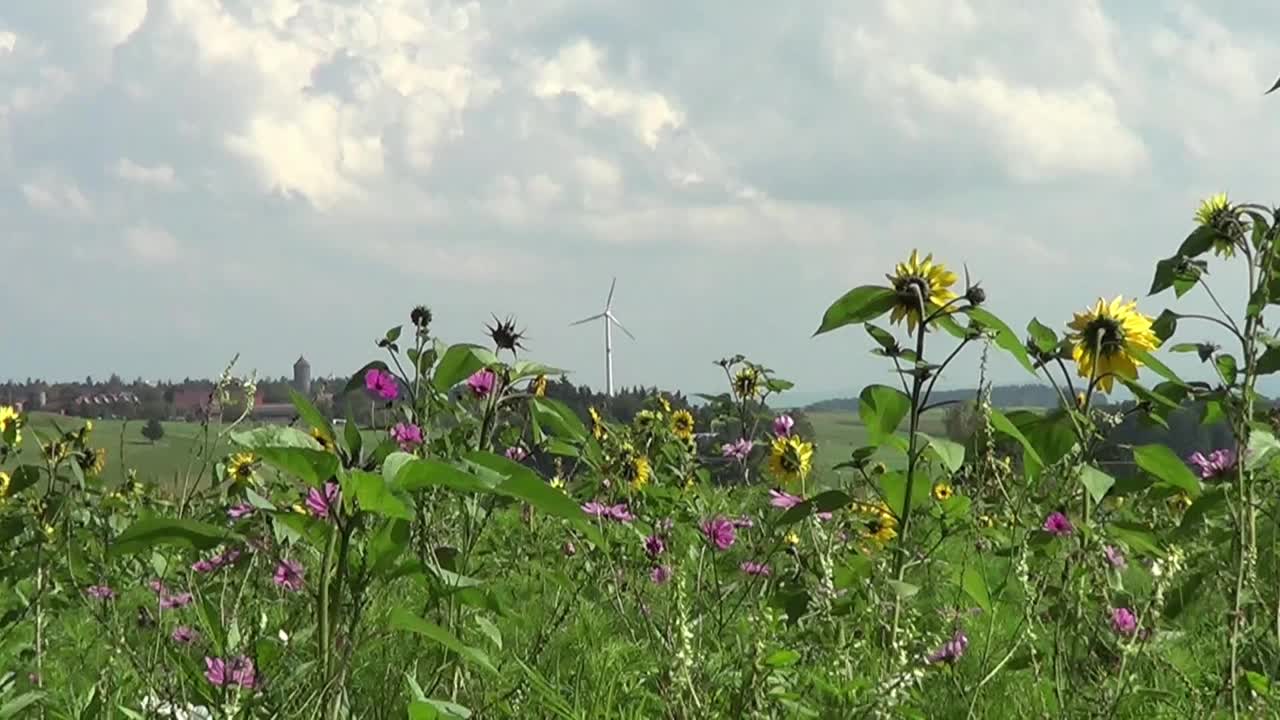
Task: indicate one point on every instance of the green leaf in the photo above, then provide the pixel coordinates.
(14, 707)
(1160, 368)
(828, 501)
(1269, 361)
(1003, 425)
(1005, 338)
(313, 467)
(431, 709)
(903, 589)
(419, 474)
(459, 362)
(387, 544)
(1165, 325)
(277, 436)
(309, 414)
(376, 496)
(402, 619)
(859, 305)
(357, 379)
(1052, 434)
(1166, 271)
(1198, 242)
(1044, 338)
(1205, 505)
(882, 336)
(490, 630)
(524, 484)
(950, 454)
(351, 434)
(557, 418)
(1096, 482)
(975, 586)
(1273, 88)
(1262, 448)
(882, 409)
(1161, 462)
(1138, 537)
(148, 533)
(1258, 682)
(893, 488)
(782, 658)
(1227, 366)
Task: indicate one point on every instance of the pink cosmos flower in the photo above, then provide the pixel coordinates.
(407, 435)
(157, 586)
(1219, 463)
(660, 574)
(517, 453)
(785, 500)
(482, 382)
(184, 635)
(951, 650)
(239, 672)
(322, 503)
(782, 425)
(595, 509)
(719, 532)
(737, 450)
(1115, 557)
(654, 546)
(755, 568)
(1058, 524)
(620, 513)
(243, 673)
(381, 383)
(1123, 621)
(171, 602)
(243, 510)
(215, 671)
(100, 592)
(288, 575)
(223, 559)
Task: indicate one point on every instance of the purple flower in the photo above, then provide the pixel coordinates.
(719, 532)
(215, 671)
(1123, 621)
(738, 449)
(100, 592)
(620, 513)
(184, 635)
(951, 650)
(1058, 524)
(321, 504)
(407, 435)
(783, 499)
(227, 557)
(157, 586)
(755, 568)
(782, 425)
(1219, 463)
(481, 382)
(240, 672)
(660, 574)
(1115, 557)
(595, 509)
(654, 546)
(288, 575)
(243, 673)
(243, 510)
(381, 383)
(517, 453)
(171, 602)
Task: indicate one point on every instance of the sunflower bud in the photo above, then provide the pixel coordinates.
(420, 316)
(975, 295)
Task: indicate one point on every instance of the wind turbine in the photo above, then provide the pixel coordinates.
(609, 321)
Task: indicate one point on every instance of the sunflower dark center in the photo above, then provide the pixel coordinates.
(1106, 333)
(908, 286)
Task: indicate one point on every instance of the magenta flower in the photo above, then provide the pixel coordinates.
(654, 546)
(157, 586)
(1219, 463)
(517, 453)
(1115, 557)
(660, 574)
(100, 592)
(171, 602)
(1123, 621)
(482, 382)
(215, 671)
(620, 513)
(381, 383)
(1058, 524)
(407, 435)
(240, 672)
(738, 449)
(184, 635)
(243, 673)
(755, 568)
(595, 509)
(782, 425)
(288, 575)
(783, 499)
(719, 532)
(243, 510)
(322, 503)
(951, 650)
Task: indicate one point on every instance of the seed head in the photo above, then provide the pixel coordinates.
(504, 334)
(420, 316)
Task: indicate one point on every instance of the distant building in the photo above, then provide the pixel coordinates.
(196, 401)
(302, 376)
(274, 413)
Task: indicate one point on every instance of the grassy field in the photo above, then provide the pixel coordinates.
(838, 434)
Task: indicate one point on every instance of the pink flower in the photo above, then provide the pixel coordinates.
(738, 449)
(782, 425)
(1123, 621)
(215, 671)
(755, 568)
(517, 453)
(203, 566)
(783, 499)
(157, 586)
(381, 383)
(719, 532)
(660, 574)
(620, 513)
(595, 509)
(243, 673)
(288, 575)
(240, 672)
(407, 436)
(654, 546)
(243, 510)
(951, 650)
(482, 382)
(1219, 463)
(322, 504)
(171, 602)
(184, 635)
(1058, 524)
(100, 592)
(1115, 557)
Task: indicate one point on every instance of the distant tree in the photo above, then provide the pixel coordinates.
(153, 430)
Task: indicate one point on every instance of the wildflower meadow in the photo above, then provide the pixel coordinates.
(482, 551)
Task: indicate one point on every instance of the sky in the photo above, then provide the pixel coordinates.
(184, 180)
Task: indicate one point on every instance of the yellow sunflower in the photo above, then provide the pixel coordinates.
(986, 522)
(1179, 503)
(1215, 211)
(240, 467)
(10, 420)
(637, 472)
(933, 281)
(538, 386)
(792, 538)
(597, 425)
(1105, 339)
(92, 461)
(942, 492)
(790, 459)
(664, 404)
(646, 420)
(322, 437)
(4, 484)
(746, 384)
(682, 424)
(881, 527)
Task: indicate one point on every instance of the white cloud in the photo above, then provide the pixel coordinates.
(151, 245)
(50, 194)
(160, 176)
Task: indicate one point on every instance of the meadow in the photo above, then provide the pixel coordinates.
(486, 552)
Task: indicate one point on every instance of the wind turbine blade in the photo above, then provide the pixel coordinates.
(609, 303)
(586, 320)
(614, 320)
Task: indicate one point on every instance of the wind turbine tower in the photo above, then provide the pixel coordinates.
(609, 322)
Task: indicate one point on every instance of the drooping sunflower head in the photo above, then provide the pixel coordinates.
(682, 424)
(645, 421)
(790, 459)
(918, 279)
(1106, 338)
(1216, 212)
(92, 461)
(598, 429)
(240, 467)
(942, 492)
(1179, 503)
(746, 383)
(881, 526)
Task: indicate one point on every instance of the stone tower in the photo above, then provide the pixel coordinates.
(302, 376)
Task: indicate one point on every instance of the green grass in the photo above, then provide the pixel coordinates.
(837, 434)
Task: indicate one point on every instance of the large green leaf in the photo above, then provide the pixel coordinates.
(402, 619)
(459, 362)
(882, 409)
(1138, 537)
(1096, 482)
(975, 586)
(859, 305)
(20, 705)
(387, 544)
(950, 454)
(1004, 426)
(309, 414)
(1005, 338)
(822, 502)
(1263, 447)
(418, 475)
(524, 484)
(1162, 463)
(148, 533)
(376, 496)
(1160, 368)
(893, 488)
(274, 436)
(1044, 338)
(1052, 435)
(313, 467)
(557, 418)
